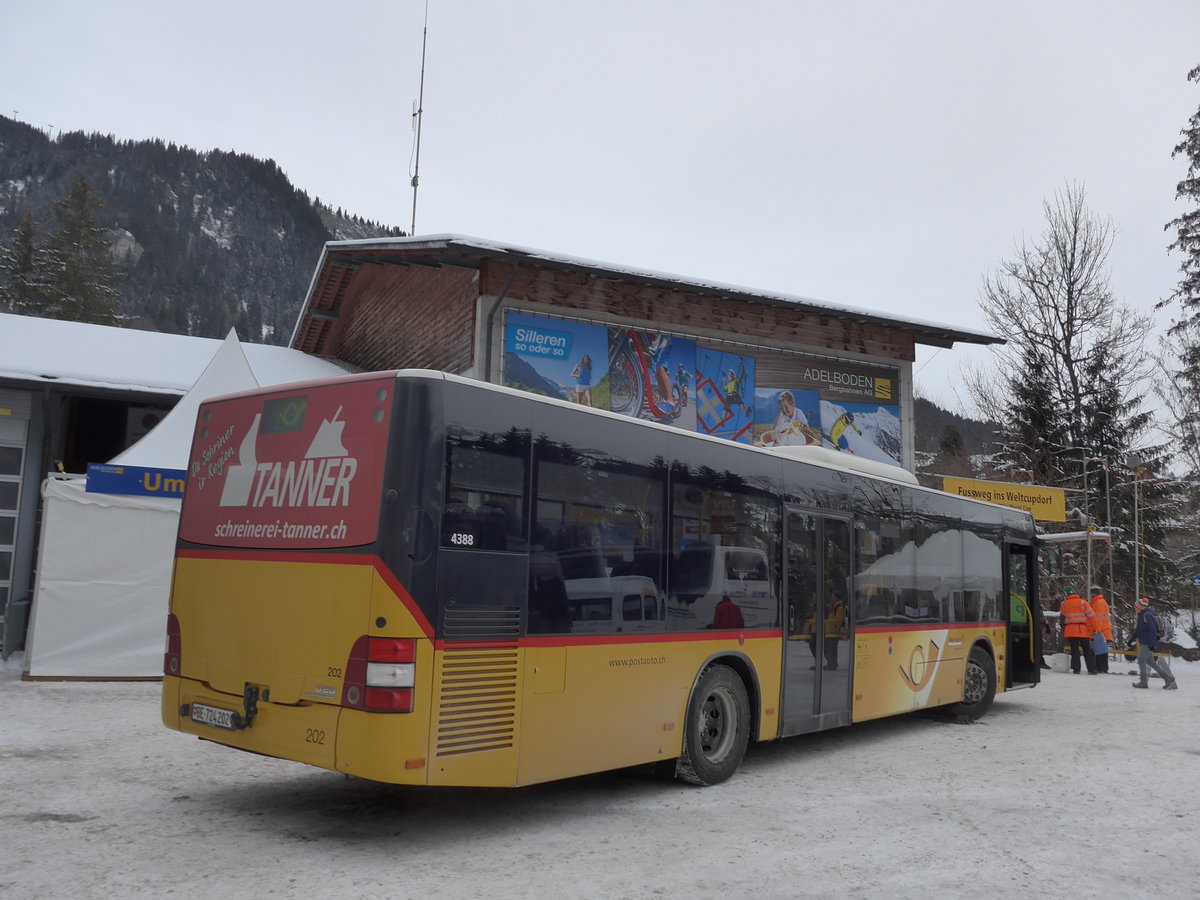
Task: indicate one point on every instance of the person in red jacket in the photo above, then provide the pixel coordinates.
(1079, 623)
(727, 615)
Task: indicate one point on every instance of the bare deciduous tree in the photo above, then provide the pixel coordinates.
(1070, 385)
(1054, 305)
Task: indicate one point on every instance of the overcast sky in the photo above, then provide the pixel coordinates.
(871, 154)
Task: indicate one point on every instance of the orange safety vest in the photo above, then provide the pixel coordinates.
(1078, 619)
(1103, 621)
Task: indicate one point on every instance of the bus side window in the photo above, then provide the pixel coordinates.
(484, 509)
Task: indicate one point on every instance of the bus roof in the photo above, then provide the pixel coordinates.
(816, 456)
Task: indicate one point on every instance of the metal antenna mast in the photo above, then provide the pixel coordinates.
(417, 122)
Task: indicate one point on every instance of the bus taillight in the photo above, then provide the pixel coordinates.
(380, 674)
(174, 645)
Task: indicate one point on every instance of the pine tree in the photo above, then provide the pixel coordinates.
(23, 287)
(1187, 226)
(952, 442)
(80, 271)
(1033, 432)
(1180, 389)
(1178, 381)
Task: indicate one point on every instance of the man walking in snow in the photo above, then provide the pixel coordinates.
(1146, 635)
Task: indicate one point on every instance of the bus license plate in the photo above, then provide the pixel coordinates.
(210, 715)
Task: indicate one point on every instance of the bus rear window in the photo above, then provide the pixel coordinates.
(289, 470)
(485, 507)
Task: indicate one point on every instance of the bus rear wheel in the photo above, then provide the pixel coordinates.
(979, 685)
(717, 729)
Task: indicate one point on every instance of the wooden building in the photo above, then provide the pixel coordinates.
(450, 302)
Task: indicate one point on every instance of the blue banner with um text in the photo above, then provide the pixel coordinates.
(103, 478)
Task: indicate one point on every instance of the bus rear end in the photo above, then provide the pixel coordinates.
(286, 635)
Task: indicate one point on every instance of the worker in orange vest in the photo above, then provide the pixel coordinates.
(1079, 624)
(1102, 639)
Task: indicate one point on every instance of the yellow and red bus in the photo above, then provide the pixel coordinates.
(417, 578)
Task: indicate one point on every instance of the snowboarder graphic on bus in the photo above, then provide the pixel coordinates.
(733, 388)
(837, 433)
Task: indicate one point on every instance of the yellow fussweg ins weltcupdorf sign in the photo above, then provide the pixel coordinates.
(1046, 504)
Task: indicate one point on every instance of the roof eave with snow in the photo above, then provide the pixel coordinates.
(469, 250)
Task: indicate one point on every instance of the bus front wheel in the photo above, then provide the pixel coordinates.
(717, 728)
(979, 685)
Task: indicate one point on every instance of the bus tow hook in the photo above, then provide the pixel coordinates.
(249, 708)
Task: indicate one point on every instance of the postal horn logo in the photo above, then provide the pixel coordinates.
(921, 666)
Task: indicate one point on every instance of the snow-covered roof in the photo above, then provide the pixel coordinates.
(925, 332)
(51, 351)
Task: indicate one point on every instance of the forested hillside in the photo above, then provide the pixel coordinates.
(198, 241)
(940, 431)
(949, 444)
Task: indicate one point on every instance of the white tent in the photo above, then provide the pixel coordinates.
(100, 601)
(166, 445)
(104, 567)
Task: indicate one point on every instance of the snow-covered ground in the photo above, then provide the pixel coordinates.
(1080, 787)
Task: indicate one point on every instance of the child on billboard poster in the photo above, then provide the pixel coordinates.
(786, 418)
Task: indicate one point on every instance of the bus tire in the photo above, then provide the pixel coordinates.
(979, 685)
(717, 729)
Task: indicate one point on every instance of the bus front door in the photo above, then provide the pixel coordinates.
(1024, 651)
(817, 663)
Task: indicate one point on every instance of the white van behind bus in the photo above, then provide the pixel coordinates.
(706, 572)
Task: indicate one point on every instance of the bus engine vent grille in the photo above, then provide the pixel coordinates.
(464, 623)
(477, 708)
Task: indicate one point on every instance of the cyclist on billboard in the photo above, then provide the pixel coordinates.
(683, 376)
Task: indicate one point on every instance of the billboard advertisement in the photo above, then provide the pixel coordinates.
(664, 378)
(556, 358)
